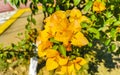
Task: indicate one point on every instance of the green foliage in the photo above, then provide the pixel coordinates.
(76, 2)
(3, 65)
(88, 6)
(62, 50)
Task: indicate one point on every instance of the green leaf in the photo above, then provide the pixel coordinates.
(16, 2)
(54, 41)
(113, 33)
(67, 5)
(50, 10)
(12, 53)
(44, 8)
(113, 47)
(117, 23)
(63, 1)
(55, 47)
(88, 6)
(76, 2)
(62, 50)
(24, 1)
(90, 44)
(93, 17)
(95, 31)
(57, 7)
(108, 14)
(44, 1)
(107, 42)
(29, 18)
(33, 21)
(84, 25)
(110, 21)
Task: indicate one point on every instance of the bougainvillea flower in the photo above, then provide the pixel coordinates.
(62, 60)
(75, 13)
(64, 28)
(98, 6)
(44, 35)
(52, 53)
(56, 22)
(79, 40)
(66, 69)
(43, 46)
(78, 62)
(75, 26)
(64, 36)
(54, 57)
(51, 64)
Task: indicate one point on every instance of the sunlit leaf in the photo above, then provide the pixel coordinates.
(50, 10)
(62, 50)
(88, 6)
(95, 31)
(108, 14)
(117, 23)
(33, 21)
(107, 42)
(76, 2)
(109, 21)
(113, 33)
(57, 7)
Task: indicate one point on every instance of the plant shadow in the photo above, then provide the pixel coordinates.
(100, 54)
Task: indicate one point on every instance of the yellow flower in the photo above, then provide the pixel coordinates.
(62, 60)
(75, 13)
(54, 57)
(75, 19)
(51, 64)
(66, 69)
(75, 26)
(42, 47)
(78, 62)
(63, 36)
(52, 53)
(57, 22)
(98, 6)
(71, 69)
(44, 35)
(79, 40)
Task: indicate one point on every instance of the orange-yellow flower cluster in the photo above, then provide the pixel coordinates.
(98, 6)
(64, 27)
(63, 65)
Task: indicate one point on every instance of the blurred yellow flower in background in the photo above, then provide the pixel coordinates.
(98, 6)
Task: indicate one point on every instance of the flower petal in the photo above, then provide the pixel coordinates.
(51, 64)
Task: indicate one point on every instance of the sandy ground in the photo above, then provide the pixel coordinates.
(10, 35)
